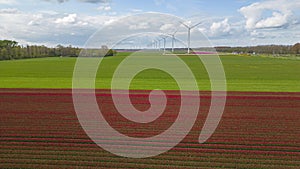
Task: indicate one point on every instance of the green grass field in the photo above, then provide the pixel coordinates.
(243, 73)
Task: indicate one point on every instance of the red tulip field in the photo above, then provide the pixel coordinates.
(39, 129)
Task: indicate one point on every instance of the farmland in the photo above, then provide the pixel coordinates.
(260, 126)
(258, 130)
(243, 73)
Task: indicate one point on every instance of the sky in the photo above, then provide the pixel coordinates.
(224, 23)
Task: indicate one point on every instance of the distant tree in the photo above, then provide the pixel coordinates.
(111, 52)
(107, 51)
(4, 54)
(265, 49)
(8, 44)
(59, 50)
(296, 48)
(11, 50)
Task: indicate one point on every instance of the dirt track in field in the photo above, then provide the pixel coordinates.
(39, 129)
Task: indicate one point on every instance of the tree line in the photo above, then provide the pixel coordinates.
(266, 49)
(10, 50)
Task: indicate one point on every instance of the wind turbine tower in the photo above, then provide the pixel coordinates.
(165, 41)
(173, 40)
(189, 33)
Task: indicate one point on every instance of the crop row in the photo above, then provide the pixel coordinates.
(39, 129)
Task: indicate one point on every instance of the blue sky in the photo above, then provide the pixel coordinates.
(228, 23)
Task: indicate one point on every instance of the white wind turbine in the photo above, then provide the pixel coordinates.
(189, 33)
(165, 41)
(159, 44)
(173, 40)
(154, 44)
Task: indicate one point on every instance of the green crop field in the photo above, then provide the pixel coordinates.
(243, 73)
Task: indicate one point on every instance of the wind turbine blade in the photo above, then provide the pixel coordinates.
(184, 24)
(175, 32)
(164, 36)
(196, 25)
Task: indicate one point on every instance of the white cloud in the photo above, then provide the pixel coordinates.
(136, 10)
(104, 8)
(258, 35)
(36, 20)
(282, 13)
(70, 19)
(49, 12)
(87, 1)
(8, 2)
(60, 1)
(9, 11)
(220, 28)
(50, 28)
(167, 28)
(277, 20)
(139, 26)
(95, 1)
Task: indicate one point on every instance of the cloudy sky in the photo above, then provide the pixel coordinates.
(72, 22)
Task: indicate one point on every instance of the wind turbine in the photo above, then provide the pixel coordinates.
(189, 33)
(159, 44)
(164, 38)
(153, 45)
(173, 40)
